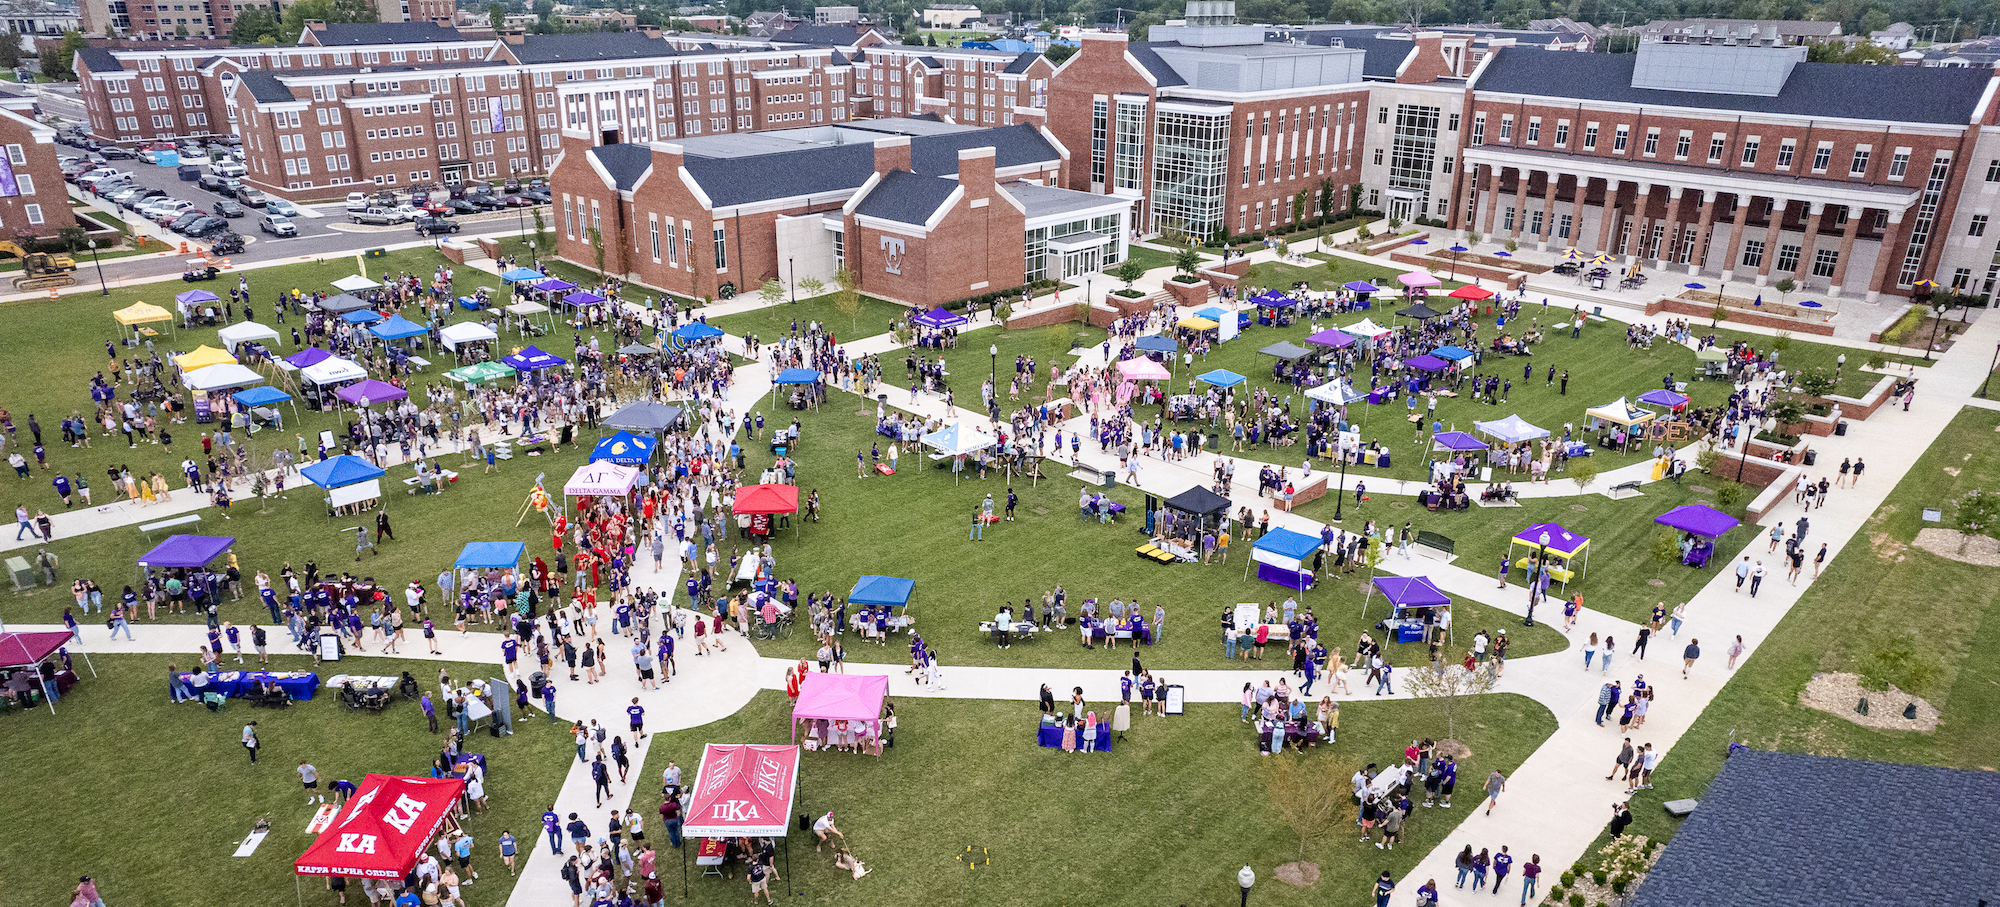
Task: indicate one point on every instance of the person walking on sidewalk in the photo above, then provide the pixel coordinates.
(1756, 578)
(1624, 764)
(1742, 572)
(1496, 784)
(1503, 863)
(1688, 655)
(1531, 875)
(1735, 651)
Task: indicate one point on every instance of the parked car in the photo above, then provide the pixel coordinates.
(277, 225)
(226, 243)
(230, 169)
(357, 201)
(511, 185)
(120, 196)
(380, 217)
(461, 206)
(254, 198)
(227, 208)
(280, 206)
(483, 201)
(149, 155)
(519, 201)
(180, 224)
(541, 196)
(115, 153)
(208, 225)
(170, 208)
(436, 226)
(220, 185)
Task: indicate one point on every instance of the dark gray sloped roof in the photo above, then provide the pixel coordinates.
(1163, 75)
(906, 198)
(350, 34)
(1013, 146)
(1792, 830)
(811, 171)
(591, 46)
(1022, 62)
(626, 163)
(822, 35)
(264, 86)
(99, 59)
(1913, 94)
(1381, 55)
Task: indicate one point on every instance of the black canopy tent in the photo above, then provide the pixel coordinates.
(1420, 312)
(1203, 506)
(645, 417)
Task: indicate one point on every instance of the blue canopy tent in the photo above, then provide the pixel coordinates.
(398, 328)
(794, 376)
(625, 449)
(1154, 343)
(1452, 353)
(491, 556)
(582, 298)
(939, 318)
(361, 316)
(265, 396)
(1222, 377)
(520, 274)
(1280, 556)
(696, 330)
(874, 589)
(335, 472)
(532, 359)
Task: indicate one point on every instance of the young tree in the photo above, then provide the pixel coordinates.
(597, 249)
(1666, 550)
(1786, 415)
(1583, 471)
(1129, 270)
(1308, 796)
(10, 52)
(1817, 381)
(496, 15)
(1325, 199)
(1185, 262)
(1974, 513)
(1718, 315)
(1785, 288)
(848, 298)
(254, 25)
(812, 286)
(57, 65)
(772, 291)
(1448, 690)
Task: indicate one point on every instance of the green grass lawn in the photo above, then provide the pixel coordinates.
(969, 363)
(576, 274)
(1177, 807)
(1147, 257)
(151, 797)
(914, 525)
(1877, 612)
(773, 322)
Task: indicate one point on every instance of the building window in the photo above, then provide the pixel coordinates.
(1451, 123)
(1413, 148)
(1190, 164)
(1590, 137)
(1620, 139)
(1681, 144)
(1562, 133)
(1506, 127)
(1822, 156)
(1788, 258)
(1131, 140)
(1978, 227)
(1824, 262)
(1785, 149)
(1100, 115)
(1507, 218)
(721, 252)
(1899, 163)
(1479, 132)
(1753, 253)
(1382, 115)
(1750, 152)
(1960, 278)
(1652, 142)
(1858, 166)
(34, 214)
(654, 224)
(1562, 226)
(1993, 171)
(1534, 130)
(1715, 147)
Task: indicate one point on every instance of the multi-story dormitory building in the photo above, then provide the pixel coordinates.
(417, 103)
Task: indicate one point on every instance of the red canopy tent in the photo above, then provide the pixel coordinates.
(383, 829)
(1472, 293)
(766, 500)
(26, 650)
(743, 790)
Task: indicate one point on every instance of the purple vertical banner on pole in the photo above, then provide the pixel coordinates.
(9, 187)
(499, 119)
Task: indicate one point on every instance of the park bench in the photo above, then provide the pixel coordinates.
(150, 528)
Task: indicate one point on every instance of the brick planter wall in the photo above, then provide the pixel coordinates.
(1194, 295)
(1698, 311)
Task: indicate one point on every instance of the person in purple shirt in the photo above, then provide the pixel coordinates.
(1503, 863)
(552, 825)
(510, 652)
(1531, 874)
(430, 710)
(637, 713)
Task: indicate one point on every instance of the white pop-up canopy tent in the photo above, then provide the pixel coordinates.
(333, 369)
(1620, 412)
(219, 377)
(243, 332)
(355, 284)
(452, 336)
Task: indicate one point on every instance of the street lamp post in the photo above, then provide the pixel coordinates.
(1340, 492)
(792, 274)
(993, 372)
(105, 290)
(1937, 318)
(1989, 372)
(532, 256)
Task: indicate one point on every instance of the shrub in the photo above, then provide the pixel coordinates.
(1619, 881)
(1568, 878)
(1513, 246)
(1730, 495)
(1575, 899)
(1598, 876)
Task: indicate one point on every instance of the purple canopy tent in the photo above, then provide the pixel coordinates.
(1707, 522)
(939, 318)
(364, 393)
(1458, 441)
(1558, 542)
(187, 551)
(1333, 337)
(308, 357)
(1666, 398)
(1411, 592)
(1361, 286)
(1427, 363)
(555, 285)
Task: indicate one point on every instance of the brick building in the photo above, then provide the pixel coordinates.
(920, 210)
(1738, 160)
(34, 200)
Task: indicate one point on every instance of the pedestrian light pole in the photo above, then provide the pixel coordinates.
(105, 290)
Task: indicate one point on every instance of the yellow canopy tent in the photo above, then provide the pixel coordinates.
(142, 313)
(202, 357)
(1199, 323)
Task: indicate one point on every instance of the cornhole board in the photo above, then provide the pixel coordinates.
(884, 469)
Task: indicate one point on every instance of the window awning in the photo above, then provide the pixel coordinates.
(1077, 242)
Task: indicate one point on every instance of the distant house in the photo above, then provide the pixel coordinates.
(952, 16)
(767, 22)
(1774, 827)
(836, 15)
(1896, 37)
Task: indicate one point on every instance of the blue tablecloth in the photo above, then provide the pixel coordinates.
(239, 683)
(1050, 735)
(479, 758)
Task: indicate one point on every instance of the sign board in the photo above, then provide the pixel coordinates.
(329, 647)
(1247, 615)
(1176, 699)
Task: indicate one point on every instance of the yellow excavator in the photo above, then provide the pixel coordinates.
(41, 270)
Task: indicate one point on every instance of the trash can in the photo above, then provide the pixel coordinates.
(1110, 479)
(1811, 457)
(1840, 428)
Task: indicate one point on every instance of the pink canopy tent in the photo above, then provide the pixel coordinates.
(1143, 370)
(1418, 279)
(854, 698)
(26, 650)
